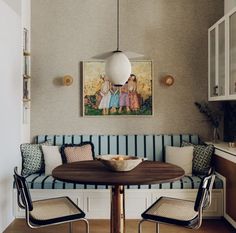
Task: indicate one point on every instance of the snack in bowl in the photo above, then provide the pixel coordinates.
(120, 163)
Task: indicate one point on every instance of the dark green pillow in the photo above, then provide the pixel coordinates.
(202, 155)
(32, 158)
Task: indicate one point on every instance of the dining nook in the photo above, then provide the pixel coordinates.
(118, 116)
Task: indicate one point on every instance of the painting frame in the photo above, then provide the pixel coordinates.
(93, 79)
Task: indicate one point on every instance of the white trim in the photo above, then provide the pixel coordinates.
(215, 27)
(227, 57)
(209, 64)
(217, 59)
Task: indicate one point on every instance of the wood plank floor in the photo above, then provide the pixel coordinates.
(102, 226)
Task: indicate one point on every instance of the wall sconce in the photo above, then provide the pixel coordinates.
(168, 80)
(67, 80)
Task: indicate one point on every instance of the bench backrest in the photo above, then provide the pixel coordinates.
(150, 146)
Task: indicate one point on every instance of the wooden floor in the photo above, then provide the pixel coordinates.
(102, 226)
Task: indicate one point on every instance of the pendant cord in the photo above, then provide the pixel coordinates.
(118, 25)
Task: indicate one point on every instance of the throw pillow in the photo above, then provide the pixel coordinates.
(32, 158)
(180, 156)
(74, 153)
(202, 155)
(52, 158)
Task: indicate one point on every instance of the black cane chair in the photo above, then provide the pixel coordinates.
(47, 212)
(181, 212)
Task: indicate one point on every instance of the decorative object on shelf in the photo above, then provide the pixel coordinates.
(102, 98)
(25, 39)
(26, 76)
(26, 67)
(232, 144)
(214, 117)
(168, 80)
(67, 80)
(118, 67)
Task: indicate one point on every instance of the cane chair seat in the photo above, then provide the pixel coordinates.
(47, 212)
(172, 210)
(180, 212)
(54, 210)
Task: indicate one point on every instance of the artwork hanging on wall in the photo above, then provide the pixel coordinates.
(102, 98)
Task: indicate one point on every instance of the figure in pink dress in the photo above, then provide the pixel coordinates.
(124, 98)
(132, 92)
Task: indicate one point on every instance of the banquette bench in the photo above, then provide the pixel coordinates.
(95, 199)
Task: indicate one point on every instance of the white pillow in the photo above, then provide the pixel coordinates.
(52, 158)
(180, 156)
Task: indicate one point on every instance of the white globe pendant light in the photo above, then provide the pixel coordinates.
(118, 68)
(117, 64)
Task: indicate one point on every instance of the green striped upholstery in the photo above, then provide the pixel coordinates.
(150, 146)
(37, 181)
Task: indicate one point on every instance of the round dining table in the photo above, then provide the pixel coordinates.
(94, 172)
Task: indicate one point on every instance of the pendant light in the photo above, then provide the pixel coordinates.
(117, 64)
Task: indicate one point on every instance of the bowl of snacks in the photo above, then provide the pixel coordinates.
(120, 163)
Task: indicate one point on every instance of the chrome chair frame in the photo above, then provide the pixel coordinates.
(203, 201)
(23, 203)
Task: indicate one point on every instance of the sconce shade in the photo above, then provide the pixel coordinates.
(118, 68)
(67, 80)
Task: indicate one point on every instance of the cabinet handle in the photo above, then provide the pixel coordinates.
(216, 91)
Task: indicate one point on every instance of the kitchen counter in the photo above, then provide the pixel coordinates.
(223, 150)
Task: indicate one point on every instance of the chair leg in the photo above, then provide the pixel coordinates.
(86, 224)
(157, 227)
(70, 227)
(140, 226)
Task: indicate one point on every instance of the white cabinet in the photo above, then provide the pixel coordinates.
(222, 58)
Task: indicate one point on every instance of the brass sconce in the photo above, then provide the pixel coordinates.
(168, 80)
(67, 80)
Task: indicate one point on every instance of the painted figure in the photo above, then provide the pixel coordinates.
(132, 93)
(106, 95)
(124, 98)
(115, 98)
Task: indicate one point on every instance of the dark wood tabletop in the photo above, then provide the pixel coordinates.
(94, 172)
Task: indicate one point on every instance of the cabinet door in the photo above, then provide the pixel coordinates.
(232, 54)
(212, 63)
(221, 59)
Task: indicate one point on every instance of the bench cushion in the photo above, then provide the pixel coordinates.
(37, 181)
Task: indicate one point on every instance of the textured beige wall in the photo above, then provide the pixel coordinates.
(173, 33)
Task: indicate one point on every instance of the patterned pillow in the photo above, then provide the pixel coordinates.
(202, 155)
(32, 158)
(74, 153)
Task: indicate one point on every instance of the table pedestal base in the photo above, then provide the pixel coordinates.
(117, 224)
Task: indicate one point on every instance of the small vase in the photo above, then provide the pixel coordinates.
(216, 135)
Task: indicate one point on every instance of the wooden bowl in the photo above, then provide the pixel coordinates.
(120, 163)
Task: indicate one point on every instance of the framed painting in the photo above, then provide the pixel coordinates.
(102, 98)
